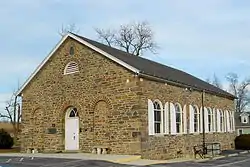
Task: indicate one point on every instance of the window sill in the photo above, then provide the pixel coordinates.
(178, 134)
(196, 133)
(158, 135)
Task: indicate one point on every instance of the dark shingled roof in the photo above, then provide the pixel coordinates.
(158, 70)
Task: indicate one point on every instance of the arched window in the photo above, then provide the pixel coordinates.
(73, 112)
(157, 117)
(196, 119)
(71, 67)
(232, 121)
(221, 121)
(214, 120)
(210, 120)
(178, 117)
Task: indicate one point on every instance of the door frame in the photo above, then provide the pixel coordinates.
(67, 117)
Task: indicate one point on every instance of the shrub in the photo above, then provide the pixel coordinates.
(242, 142)
(6, 141)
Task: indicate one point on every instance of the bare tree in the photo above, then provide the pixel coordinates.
(69, 28)
(13, 114)
(106, 36)
(134, 38)
(215, 81)
(240, 90)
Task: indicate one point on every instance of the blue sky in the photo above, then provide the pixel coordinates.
(199, 37)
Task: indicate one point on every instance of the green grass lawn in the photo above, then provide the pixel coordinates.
(12, 150)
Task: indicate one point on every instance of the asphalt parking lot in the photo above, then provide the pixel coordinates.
(242, 160)
(53, 162)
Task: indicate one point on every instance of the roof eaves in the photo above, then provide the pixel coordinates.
(177, 83)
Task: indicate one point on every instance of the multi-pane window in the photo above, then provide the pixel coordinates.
(210, 117)
(157, 117)
(196, 119)
(221, 121)
(178, 117)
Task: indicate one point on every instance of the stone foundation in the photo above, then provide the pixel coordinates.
(176, 146)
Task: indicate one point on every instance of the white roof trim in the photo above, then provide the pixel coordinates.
(244, 114)
(84, 43)
(104, 53)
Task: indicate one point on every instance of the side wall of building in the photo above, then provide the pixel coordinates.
(104, 93)
(169, 145)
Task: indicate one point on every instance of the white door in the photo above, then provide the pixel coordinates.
(72, 131)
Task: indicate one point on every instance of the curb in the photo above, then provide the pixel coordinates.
(129, 159)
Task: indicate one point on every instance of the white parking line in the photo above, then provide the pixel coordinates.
(244, 152)
(232, 163)
(233, 155)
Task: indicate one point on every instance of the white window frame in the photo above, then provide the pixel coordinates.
(218, 120)
(184, 110)
(222, 123)
(231, 117)
(209, 123)
(157, 104)
(180, 124)
(215, 125)
(150, 117)
(166, 118)
(172, 119)
(198, 119)
(227, 121)
(244, 118)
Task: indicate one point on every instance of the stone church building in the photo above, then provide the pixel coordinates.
(87, 95)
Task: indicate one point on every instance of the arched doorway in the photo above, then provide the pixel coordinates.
(71, 129)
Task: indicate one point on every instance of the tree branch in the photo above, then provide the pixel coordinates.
(134, 38)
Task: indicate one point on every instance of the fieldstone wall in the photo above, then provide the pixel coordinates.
(172, 146)
(112, 106)
(104, 93)
(176, 146)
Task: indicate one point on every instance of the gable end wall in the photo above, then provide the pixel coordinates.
(50, 93)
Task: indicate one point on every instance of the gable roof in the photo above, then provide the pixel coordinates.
(244, 114)
(141, 66)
